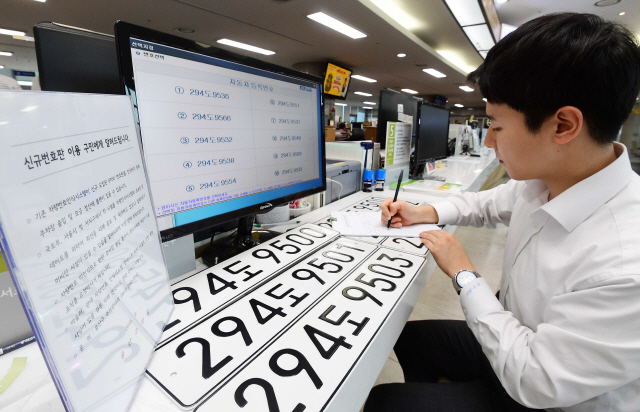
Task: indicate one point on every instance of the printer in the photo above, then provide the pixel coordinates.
(347, 173)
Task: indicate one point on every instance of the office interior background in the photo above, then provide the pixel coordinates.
(423, 48)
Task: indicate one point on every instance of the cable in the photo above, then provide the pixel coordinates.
(341, 187)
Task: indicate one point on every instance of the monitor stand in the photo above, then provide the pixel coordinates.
(244, 239)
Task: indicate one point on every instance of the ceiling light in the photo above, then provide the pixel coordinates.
(41, 1)
(604, 3)
(480, 36)
(6, 53)
(363, 93)
(402, 55)
(409, 91)
(371, 103)
(3, 123)
(25, 83)
(434, 73)
(456, 60)
(466, 12)
(466, 88)
(458, 105)
(365, 79)
(1, 66)
(484, 98)
(246, 47)
(28, 108)
(365, 107)
(622, 13)
(12, 32)
(501, 1)
(394, 9)
(336, 25)
(340, 104)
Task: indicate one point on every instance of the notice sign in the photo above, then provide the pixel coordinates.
(398, 143)
(79, 233)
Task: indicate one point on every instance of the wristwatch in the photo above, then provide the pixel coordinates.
(463, 277)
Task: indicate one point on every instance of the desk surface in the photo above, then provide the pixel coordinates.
(34, 389)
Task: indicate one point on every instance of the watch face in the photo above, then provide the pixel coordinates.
(465, 277)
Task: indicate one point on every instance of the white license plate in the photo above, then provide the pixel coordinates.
(196, 362)
(304, 367)
(203, 293)
(406, 244)
(324, 222)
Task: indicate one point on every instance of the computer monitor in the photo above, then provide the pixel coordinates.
(433, 133)
(388, 111)
(224, 136)
(71, 59)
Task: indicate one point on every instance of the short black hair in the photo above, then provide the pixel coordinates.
(565, 59)
(342, 126)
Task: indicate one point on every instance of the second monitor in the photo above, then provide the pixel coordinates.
(432, 136)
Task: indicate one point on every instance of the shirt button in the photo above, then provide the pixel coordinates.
(535, 224)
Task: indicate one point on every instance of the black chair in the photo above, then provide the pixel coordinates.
(356, 135)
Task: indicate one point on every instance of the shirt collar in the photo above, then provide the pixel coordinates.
(576, 204)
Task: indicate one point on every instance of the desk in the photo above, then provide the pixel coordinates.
(34, 389)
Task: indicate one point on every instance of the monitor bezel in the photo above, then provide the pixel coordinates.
(124, 31)
(324, 78)
(417, 145)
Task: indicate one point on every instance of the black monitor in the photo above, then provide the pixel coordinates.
(388, 110)
(224, 136)
(433, 133)
(76, 60)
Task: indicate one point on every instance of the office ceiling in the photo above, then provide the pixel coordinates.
(419, 29)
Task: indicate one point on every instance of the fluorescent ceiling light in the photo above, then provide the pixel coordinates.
(1, 66)
(456, 60)
(409, 91)
(458, 105)
(6, 53)
(434, 73)
(336, 25)
(394, 9)
(365, 107)
(466, 88)
(239, 45)
(28, 108)
(41, 1)
(371, 103)
(484, 98)
(12, 32)
(363, 93)
(402, 55)
(467, 12)
(622, 13)
(365, 79)
(480, 36)
(340, 104)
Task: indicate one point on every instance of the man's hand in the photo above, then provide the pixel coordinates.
(447, 251)
(403, 214)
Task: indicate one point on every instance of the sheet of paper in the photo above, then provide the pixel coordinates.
(370, 224)
(80, 238)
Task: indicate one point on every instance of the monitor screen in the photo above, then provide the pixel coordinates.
(391, 104)
(221, 138)
(433, 133)
(76, 60)
(336, 81)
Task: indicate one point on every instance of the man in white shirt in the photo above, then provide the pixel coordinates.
(565, 332)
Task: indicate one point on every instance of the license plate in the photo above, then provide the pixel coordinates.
(199, 295)
(406, 244)
(305, 366)
(195, 363)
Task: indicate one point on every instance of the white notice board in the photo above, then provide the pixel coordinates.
(77, 226)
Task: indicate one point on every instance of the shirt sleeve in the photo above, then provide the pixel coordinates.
(587, 345)
(487, 208)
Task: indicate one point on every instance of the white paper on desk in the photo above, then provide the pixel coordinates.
(370, 224)
(81, 241)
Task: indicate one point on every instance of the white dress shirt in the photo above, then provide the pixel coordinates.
(565, 334)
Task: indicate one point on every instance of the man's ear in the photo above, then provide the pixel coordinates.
(567, 122)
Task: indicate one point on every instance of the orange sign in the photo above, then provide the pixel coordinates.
(336, 81)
